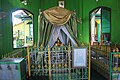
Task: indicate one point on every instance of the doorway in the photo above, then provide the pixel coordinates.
(100, 26)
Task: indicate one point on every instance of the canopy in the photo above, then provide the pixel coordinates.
(56, 22)
(57, 15)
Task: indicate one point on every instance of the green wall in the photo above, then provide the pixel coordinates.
(116, 23)
(1, 29)
(82, 7)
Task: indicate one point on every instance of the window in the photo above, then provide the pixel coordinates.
(22, 28)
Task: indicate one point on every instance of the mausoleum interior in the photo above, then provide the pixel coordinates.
(59, 40)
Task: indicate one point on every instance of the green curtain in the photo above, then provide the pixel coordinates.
(44, 31)
(71, 26)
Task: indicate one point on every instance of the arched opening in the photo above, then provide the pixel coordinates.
(22, 26)
(100, 26)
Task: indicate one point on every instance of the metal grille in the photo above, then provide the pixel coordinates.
(55, 64)
(115, 66)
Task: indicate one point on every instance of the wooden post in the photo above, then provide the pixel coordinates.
(69, 61)
(49, 63)
(89, 68)
(28, 58)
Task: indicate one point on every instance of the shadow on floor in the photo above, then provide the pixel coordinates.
(38, 78)
(96, 76)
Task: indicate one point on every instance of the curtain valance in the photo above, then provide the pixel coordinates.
(57, 15)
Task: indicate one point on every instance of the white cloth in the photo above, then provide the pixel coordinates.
(62, 33)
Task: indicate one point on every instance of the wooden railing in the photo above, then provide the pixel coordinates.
(21, 53)
(102, 60)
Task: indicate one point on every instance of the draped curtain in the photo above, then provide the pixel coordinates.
(55, 17)
(63, 34)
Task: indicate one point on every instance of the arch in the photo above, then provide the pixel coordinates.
(22, 28)
(100, 7)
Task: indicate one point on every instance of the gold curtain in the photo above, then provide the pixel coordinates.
(57, 15)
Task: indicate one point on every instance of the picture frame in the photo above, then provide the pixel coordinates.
(79, 57)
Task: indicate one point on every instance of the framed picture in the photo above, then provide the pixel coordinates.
(79, 57)
(61, 3)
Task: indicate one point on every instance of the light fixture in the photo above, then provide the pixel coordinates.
(24, 2)
(96, 0)
(61, 3)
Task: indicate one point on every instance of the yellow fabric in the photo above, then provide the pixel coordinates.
(57, 15)
(98, 21)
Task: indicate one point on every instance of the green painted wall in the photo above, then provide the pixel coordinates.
(82, 7)
(116, 23)
(1, 36)
(1, 30)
